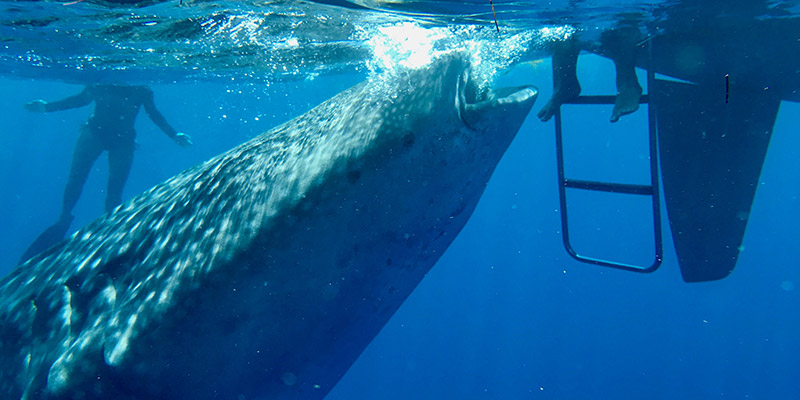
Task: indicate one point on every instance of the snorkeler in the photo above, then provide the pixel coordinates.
(111, 129)
(619, 45)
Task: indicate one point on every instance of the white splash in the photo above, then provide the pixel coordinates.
(405, 44)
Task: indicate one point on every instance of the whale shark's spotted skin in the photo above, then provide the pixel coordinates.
(264, 272)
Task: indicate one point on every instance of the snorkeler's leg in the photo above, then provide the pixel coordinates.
(565, 77)
(622, 49)
(87, 150)
(120, 160)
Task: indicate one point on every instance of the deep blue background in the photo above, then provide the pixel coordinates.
(505, 314)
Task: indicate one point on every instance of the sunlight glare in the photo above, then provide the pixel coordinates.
(405, 44)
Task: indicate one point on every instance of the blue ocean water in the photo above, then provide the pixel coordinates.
(506, 313)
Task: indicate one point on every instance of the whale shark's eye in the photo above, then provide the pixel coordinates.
(353, 176)
(408, 139)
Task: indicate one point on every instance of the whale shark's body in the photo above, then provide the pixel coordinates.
(266, 271)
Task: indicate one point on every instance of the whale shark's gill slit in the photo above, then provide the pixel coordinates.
(10, 335)
(43, 316)
(458, 210)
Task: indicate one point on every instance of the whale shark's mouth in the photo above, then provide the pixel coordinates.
(471, 104)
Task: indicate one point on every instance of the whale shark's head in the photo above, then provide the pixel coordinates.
(447, 88)
(443, 126)
(440, 114)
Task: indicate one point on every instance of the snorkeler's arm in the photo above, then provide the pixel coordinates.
(79, 100)
(149, 104)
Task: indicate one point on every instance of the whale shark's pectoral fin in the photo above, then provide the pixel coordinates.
(52, 235)
(712, 150)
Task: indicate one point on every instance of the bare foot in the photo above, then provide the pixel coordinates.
(565, 77)
(627, 100)
(621, 46)
(561, 95)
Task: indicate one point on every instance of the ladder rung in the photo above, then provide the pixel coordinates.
(604, 99)
(609, 187)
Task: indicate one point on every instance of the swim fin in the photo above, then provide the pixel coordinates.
(48, 238)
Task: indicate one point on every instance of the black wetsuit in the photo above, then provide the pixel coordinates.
(110, 128)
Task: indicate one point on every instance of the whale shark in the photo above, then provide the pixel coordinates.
(265, 271)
